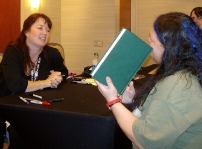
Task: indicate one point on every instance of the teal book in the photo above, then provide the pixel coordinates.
(122, 60)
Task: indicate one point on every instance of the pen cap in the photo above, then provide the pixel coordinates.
(46, 103)
(34, 95)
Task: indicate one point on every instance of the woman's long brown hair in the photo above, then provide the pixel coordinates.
(20, 41)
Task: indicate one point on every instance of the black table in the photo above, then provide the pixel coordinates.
(81, 121)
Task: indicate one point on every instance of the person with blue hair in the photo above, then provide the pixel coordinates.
(166, 110)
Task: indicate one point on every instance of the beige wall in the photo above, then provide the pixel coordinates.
(78, 23)
(83, 22)
(51, 8)
(145, 11)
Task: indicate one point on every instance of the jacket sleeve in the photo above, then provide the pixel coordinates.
(57, 62)
(12, 70)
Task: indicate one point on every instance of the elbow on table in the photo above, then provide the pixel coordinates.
(17, 87)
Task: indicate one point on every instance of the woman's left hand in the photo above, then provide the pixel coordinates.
(55, 78)
(109, 91)
(128, 94)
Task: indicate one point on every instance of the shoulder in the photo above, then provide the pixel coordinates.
(12, 51)
(182, 87)
(179, 83)
(12, 48)
(180, 80)
(183, 91)
(51, 51)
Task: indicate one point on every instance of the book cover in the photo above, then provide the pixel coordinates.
(122, 60)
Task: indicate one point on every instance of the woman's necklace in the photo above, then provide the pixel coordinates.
(35, 61)
(35, 69)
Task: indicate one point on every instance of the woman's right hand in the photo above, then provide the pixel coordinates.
(128, 94)
(108, 91)
(54, 79)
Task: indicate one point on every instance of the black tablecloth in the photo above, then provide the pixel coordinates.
(81, 121)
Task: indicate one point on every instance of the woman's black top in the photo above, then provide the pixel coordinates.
(12, 75)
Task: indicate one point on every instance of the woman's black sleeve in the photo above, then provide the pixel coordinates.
(13, 71)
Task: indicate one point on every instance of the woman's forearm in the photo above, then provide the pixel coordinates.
(125, 120)
(36, 85)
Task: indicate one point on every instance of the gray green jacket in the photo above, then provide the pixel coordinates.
(172, 117)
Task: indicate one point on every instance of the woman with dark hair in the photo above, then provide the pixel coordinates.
(166, 110)
(28, 63)
(196, 15)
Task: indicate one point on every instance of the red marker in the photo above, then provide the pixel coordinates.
(40, 102)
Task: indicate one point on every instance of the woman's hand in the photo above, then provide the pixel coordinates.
(54, 79)
(128, 94)
(109, 91)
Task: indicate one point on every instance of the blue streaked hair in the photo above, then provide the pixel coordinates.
(182, 40)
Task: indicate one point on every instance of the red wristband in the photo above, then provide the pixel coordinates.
(109, 104)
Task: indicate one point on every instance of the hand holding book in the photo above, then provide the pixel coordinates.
(122, 60)
(109, 91)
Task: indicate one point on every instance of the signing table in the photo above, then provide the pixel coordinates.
(81, 121)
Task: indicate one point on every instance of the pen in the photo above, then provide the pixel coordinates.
(24, 100)
(55, 100)
(40, 102)
(31, 99)
(79, 82)
(37, 96)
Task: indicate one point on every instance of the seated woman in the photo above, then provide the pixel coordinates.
(28, 63)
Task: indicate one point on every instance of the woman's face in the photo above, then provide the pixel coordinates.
(197, 20)
(157, 46)
(37, 36)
